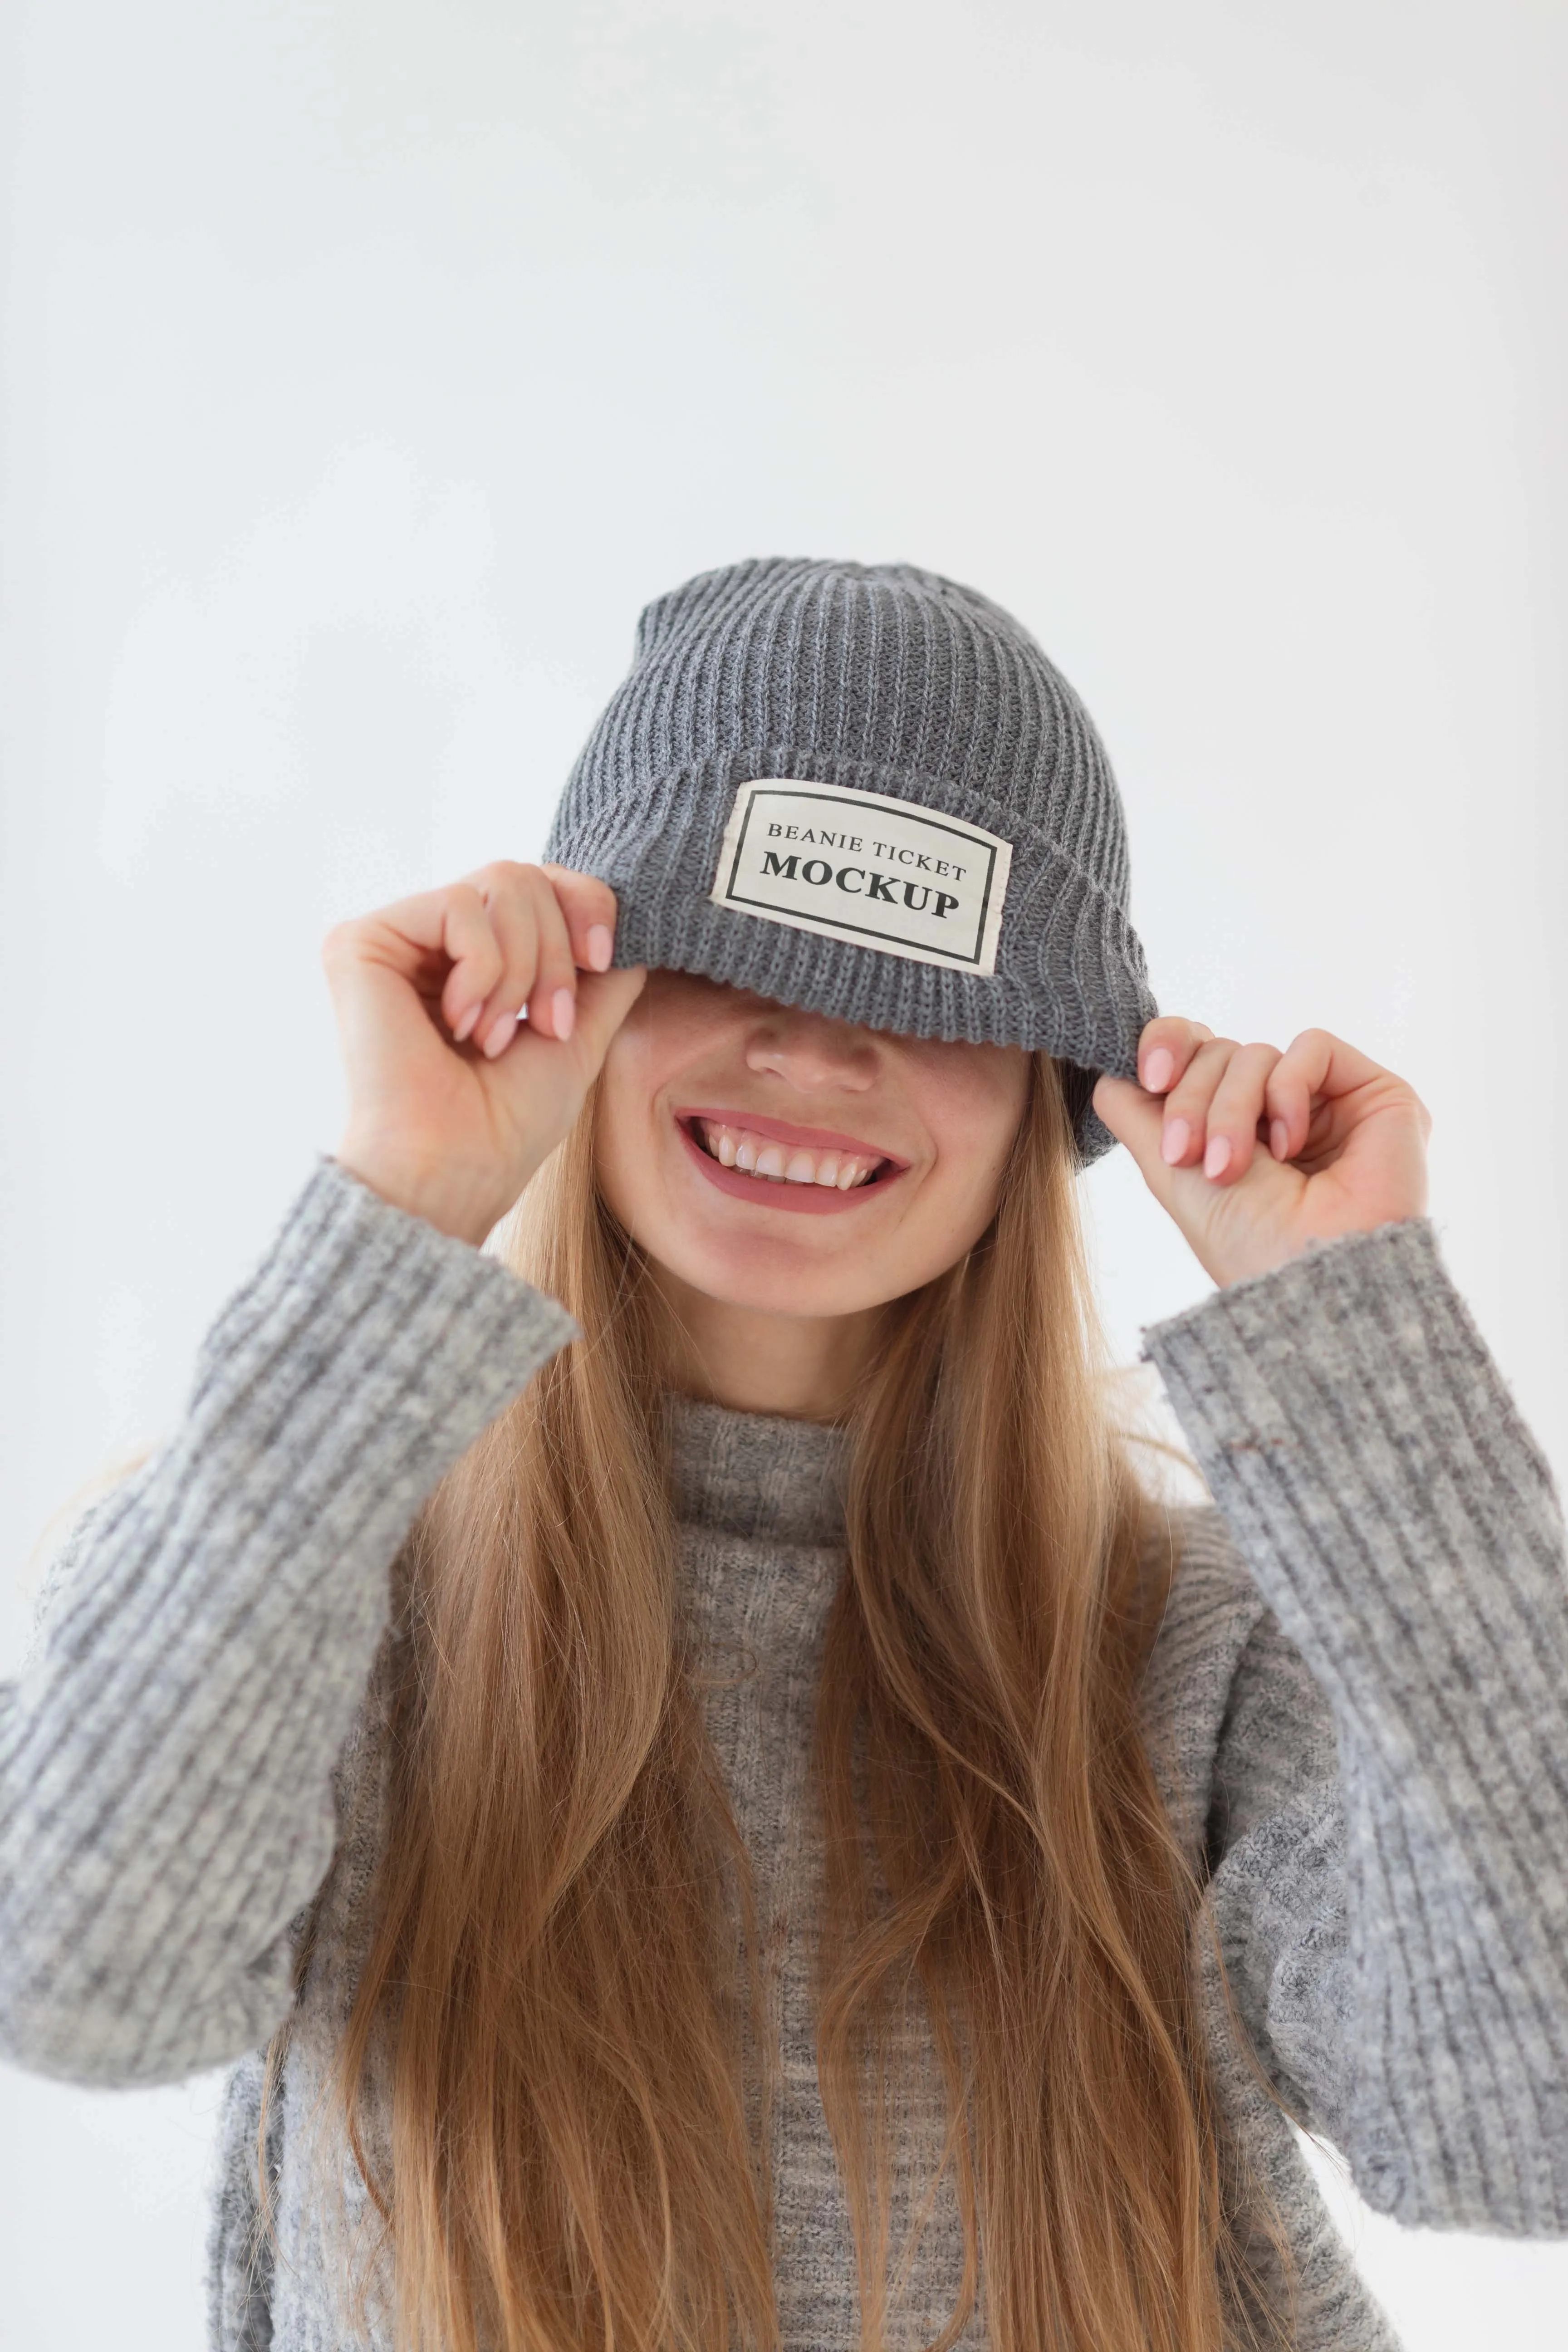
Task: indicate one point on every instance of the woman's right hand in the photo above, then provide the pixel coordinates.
(452, 1105)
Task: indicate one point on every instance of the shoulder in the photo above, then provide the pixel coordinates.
(1212, 1605)
(1219, 1665)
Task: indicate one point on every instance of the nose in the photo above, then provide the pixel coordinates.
(813, 1053)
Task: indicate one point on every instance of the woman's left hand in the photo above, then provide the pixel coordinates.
(1256, 1152)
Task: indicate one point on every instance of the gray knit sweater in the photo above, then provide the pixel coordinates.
(1360, 1683)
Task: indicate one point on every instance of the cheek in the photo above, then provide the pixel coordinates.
(972, 1125)
(667, 1034)
(645, 1055)
(973, 1114)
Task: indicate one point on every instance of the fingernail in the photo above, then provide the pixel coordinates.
(601, 947)
(1279, 1138)
(562, 1012)
(465, 1026)
(1173, 1142)
(1159, 1070)
(499, 1035)
(1216, 1159)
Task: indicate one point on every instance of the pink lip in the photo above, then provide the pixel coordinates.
(808, 1199)
(810, 1138)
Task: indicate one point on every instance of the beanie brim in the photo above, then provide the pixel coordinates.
(1070, 978)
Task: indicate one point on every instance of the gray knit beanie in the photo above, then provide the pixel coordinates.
(861, 789)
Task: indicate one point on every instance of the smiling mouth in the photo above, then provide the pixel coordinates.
(767, 1160)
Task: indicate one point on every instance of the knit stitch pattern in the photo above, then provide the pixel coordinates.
(1358, 1695)
(885, 678)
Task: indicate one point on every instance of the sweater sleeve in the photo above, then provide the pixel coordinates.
(167, 1757)
(1396, 1929)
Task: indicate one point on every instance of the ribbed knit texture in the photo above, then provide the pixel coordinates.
(1359, 1691)
(893, 681)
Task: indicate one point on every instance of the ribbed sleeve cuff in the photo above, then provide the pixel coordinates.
(365, 1325)
(165, 1792)
(1395, 1509)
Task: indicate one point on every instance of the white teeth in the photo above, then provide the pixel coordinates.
(755, 1155)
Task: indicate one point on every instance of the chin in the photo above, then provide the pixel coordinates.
(781, 1298)
(767, 1277)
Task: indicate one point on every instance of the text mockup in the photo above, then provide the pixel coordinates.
(884, 873)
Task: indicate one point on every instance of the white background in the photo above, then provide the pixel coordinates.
(367, 365)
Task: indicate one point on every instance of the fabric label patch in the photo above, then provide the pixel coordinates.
(884, 873)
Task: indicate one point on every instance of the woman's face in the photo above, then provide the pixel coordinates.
(784, 1161)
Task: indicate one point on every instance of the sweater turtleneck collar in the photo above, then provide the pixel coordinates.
(756, 1475)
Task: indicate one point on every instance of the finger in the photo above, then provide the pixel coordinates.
(377, 1002)
(1315, 1068)
(1287, 1105)
(589, 907)
(603, 1000)
(1165, 1048)
(1231, 1137)
(470, 938)
(537, 971)
(553, 998)
(1136, 1118)
(1187, 1104)
(438, 943)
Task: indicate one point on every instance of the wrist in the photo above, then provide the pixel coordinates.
(444, 1196)
(1244, 1264)
(1268, 1253)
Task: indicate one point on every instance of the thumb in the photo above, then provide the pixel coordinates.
(603, 1000)
(1136, 1119)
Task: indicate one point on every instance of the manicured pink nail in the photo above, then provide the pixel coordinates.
(499, 1035)
(1216, 1159)
(466, 1025)
(562, 1012)
(1159, 1070)
(1279, 1138)
(1173, 1142)
(601, 947)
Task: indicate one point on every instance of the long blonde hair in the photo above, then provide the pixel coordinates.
(546, 1996)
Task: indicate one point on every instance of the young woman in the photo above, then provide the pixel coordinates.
(645, 1705)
